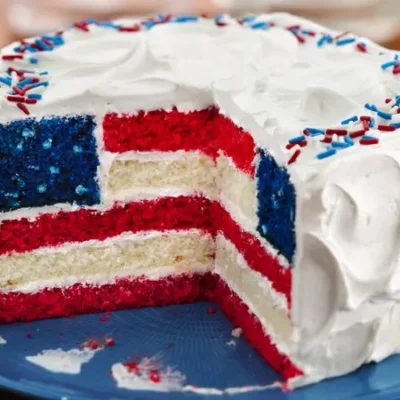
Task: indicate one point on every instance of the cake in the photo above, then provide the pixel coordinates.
(253, 162)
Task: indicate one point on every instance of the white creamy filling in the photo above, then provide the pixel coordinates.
(150, 254)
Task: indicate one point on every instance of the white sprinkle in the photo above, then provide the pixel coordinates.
(231, 343)
(237, 332)
(2, 340)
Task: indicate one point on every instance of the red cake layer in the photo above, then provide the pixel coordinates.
(178, 213)
(82, 299)
(125, 293)
(204, 130)
(240, 316)
(256, 256)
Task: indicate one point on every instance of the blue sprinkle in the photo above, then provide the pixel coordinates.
(80, 190)
(340, 145)
(396, 124)
(39, 84)
(13, 195)
(6, 81)
(19, 146)
(41, 188)
(47, 144)
(43, 45)
(58, 40)
(24, 82)
(370, 107)
(324, 39)
(297, 139)
(106, 24)
(325, 154)
(348, 140)
(31, 49)
(34, 167)
(44, 73)
(384, 115)
(249, 19)
(396, 57)
(77, 149)
(91, 20)
(36, 96)
(389, 64)
(264, 229)
(54, 170)
(260, 25)
(28, 133)
(148, 24)
(187, 18)
(372, 123)
(397, 100)
(33, 60)
(368, 137)
(351, 119)
(17, 49)
(344, 41)
(315, 131)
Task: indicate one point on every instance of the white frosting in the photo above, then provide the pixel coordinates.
(346, 272)
(169, 379)
(61, 361)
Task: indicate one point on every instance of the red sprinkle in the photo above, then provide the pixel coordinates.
(15, 99)
(28, 335)
(306, 133)
(12, 57)
(365, 118)
(211, 310)
(294, 156)
(18, 91)
(110, 342)
(155, 376)
(396, 69)
(388, 100)
(361, 47)
(82, 26)
(23, 108)
(326, 139)
(386, 128)
(299, 38)
(30, 101)
(92, 344)
(366, 142)
(339, 132)
(302, 143)
(365, 125)
(221, 23)
(45, 41)
(290, 145)
(293, 27)
(134, 28)
(17, 71)
(132, 367)
(357, 134)
(104, 318)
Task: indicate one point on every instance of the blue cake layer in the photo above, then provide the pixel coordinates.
(48, 161)
(276, 205)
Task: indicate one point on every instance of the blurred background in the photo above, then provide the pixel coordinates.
(377, 19)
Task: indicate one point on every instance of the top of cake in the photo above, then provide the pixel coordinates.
(306, 94)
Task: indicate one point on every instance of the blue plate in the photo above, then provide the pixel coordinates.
(186, 337)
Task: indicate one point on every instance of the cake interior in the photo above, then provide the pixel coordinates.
(142, 210)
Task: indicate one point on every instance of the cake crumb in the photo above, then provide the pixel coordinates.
(211, 310)
(237, 332)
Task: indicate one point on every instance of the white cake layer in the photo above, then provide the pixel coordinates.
(256, 293)
(151, 254)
